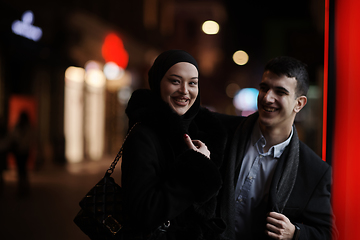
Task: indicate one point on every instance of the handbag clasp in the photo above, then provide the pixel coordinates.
(113, 225)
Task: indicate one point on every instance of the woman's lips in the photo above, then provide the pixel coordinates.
(181, 101)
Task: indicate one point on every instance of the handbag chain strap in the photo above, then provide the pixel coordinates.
(119, 154)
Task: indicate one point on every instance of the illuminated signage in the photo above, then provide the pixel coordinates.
(26, 28)
(113, 50)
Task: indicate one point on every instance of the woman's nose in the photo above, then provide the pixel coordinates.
(183, 88)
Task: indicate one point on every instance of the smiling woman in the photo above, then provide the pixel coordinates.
(167, 176)
(179, 87)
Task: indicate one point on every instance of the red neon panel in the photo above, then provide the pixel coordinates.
(346, 163)
(325, 86)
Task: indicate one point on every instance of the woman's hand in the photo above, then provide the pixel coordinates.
(197, 145)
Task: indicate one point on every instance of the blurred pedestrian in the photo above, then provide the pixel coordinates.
(22, 139)
(4, 150)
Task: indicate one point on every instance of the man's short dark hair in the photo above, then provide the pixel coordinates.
(291, 67)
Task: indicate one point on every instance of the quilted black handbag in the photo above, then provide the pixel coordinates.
(101, 216)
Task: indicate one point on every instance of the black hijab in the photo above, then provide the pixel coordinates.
(157, 71)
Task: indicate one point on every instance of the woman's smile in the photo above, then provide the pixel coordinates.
(179, 87)
(181, 101)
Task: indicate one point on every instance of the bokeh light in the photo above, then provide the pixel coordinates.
(118, 83)
(26, 28)
(95, 78)
(75, 74)
(240, 57)
(124, 94)
(245, 100)
(210, 27)
(314, 92)
(112, 71)
(232, 89)
(113, 51)
(91, 64)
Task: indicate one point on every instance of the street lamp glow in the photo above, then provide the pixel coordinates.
(240, 57)
(246, 101)
(95, 78)
(75, 74)
(210, 27)
(112, 71)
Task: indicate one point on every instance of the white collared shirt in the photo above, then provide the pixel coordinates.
(255, 177)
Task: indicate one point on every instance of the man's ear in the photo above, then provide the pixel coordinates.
(300, 103)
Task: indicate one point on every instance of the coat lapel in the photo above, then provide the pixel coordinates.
(241, 138)
(286, 171)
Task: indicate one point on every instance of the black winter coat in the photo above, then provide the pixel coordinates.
(163, 179)
(300, 191)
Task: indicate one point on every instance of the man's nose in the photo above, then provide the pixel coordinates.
(269, 96)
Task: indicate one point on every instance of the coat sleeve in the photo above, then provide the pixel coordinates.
(158, 187)
(317, 215)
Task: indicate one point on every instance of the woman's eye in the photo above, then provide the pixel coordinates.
(193, 83)
(174, 81)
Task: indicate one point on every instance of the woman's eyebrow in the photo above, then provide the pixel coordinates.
(175, 75)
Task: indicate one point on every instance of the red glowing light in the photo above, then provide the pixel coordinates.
(325, 86)
(113, 51)
(346, 164)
